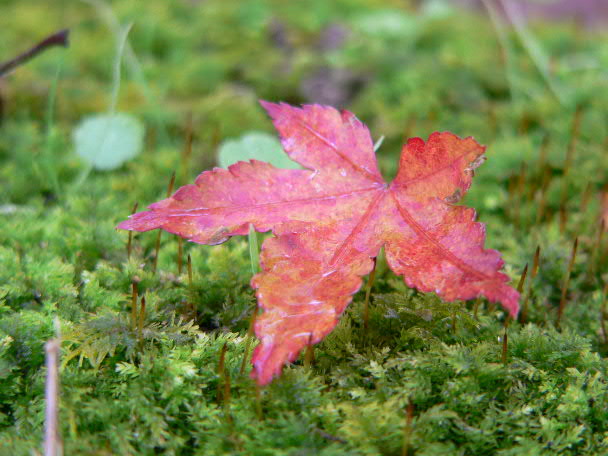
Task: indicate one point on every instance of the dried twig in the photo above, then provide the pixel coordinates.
(56, 39)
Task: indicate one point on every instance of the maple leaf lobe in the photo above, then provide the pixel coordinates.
(439, 167)
(326, 140)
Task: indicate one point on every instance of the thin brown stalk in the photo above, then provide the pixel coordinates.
(523, 315)
(521, 180)
(595, 252)
(566, 284)
(221, 371)
(223, 387)
(191, 289)
(130, 239)
(491, 307)
(249, 337)
(158, 236)
(563, 217)
(520, 288)
(522, 279)
(171, 185)
(476, 307)
(142, 317)
(586, 197)
(134, 293)
(180, 255)
(505, 341)
(535, 263)
(407, 429)
(309, 356)
(226, 398)
(543, 152)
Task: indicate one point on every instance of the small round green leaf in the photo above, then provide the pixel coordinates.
(106, 141)
(254, 145)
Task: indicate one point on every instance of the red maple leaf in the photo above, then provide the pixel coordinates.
(331, 219)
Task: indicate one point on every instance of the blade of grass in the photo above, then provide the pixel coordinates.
(48, 162)
(503, 40)
(254, 250)
(121, 43)
(566, 284)
(106, 13)
(254, 257)
(533, 47)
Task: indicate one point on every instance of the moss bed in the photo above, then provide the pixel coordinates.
(426, 377)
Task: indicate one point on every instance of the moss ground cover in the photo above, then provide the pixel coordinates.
(425, 377)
